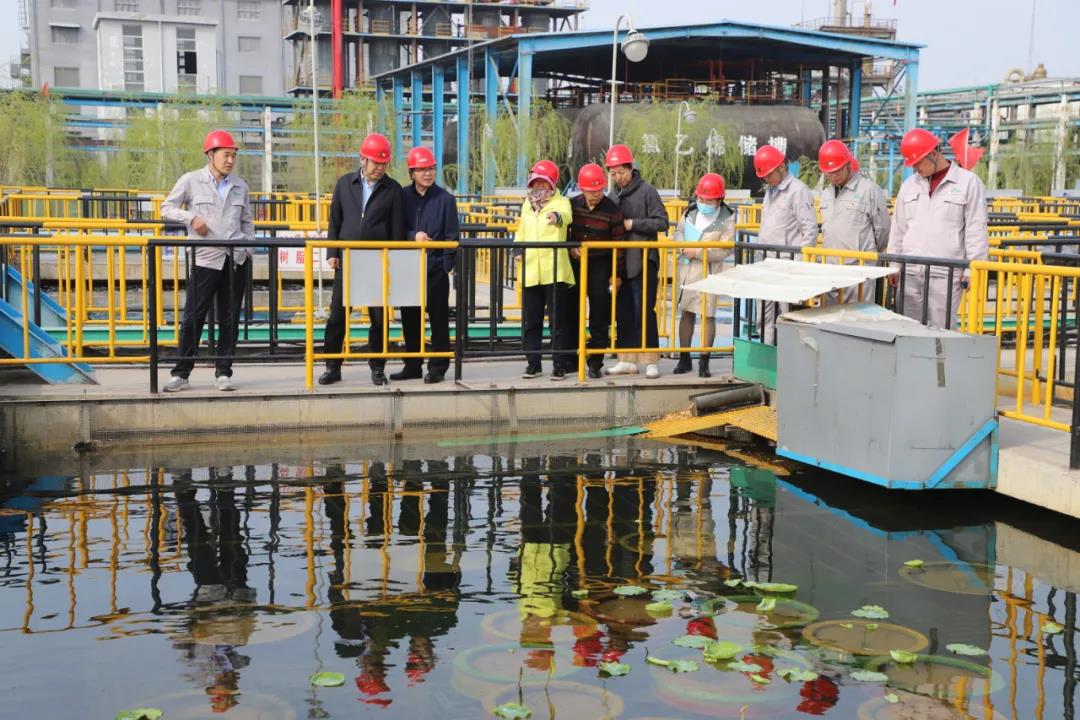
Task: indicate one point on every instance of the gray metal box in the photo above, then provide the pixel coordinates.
(889, 401)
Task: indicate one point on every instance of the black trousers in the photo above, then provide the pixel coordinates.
(535, 300)
(629, 307)
(599, 319)
(438, 310)
(334, 335)
(225, 289)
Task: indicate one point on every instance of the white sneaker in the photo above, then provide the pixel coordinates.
(622, 368)
(652, 371)
(224, 383)
(176, 384)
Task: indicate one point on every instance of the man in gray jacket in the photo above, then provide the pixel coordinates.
(214, 204)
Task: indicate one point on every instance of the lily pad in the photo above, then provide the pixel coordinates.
(692, 641)
(717, 650)
(892, 698)
(659, 608)
(667, 595)
(140, 714)
(913, 563)
(869, 676)
(775, 588)
(872, 612)
(579, 594)
(767, 605)
(871, 626)
(653, 660)
(328, 679)
(760, 679)
(630, 590)
(733, 583)
(965, 649)
(683, 666)
(512, 711)
(797, 674)
(1052, 628)
(740, 666)
(614, 669)
(847, 626)
(903, 656)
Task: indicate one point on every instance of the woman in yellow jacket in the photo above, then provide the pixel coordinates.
(546, 273)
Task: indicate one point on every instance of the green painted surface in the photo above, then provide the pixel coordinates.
(755, 362)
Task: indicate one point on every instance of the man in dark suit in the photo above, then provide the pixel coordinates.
(366, 206)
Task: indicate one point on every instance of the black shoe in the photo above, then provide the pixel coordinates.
(685, 364)
(532, 371)
(407, 373)
(558, 374)
(378, 377)
(330, 376)
(703, 367)
(596, 372)
(434, 376)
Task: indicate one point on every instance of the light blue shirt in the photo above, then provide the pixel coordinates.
(222, 186)
(366, 189)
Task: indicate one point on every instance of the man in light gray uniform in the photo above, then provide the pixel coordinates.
(787, 216)
(940, 213)
(214, 204)
(854, 212)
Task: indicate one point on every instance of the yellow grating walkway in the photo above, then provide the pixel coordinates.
(759, 420)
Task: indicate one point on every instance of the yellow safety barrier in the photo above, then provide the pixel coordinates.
(310, 356)
(1030, 294)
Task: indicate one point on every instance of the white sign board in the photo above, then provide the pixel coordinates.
(292, 258)
(407, 267)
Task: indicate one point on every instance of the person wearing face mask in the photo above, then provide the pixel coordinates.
(709, 220)
(546, 273)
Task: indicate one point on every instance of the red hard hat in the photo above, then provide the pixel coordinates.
(618, 155)
(916, 145)
(711, 187)
(375, 148)
(832, 156)
(421, 157)
(548, 169)
(854, 164)
(591, 177)
(216, 139)
(767, 159)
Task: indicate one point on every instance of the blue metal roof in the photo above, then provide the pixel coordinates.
(787, 44)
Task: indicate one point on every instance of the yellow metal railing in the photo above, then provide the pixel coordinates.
(310, 356)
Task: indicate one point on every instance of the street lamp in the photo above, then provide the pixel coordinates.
(685, 113)
(635, 47)
(313, 16)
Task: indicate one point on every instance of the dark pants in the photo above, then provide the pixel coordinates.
(225, 289)
(599, 319)
(438, 310)
(629, 308)
(334, 335)
(535, 299)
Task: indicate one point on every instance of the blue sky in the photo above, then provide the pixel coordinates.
(969, 42)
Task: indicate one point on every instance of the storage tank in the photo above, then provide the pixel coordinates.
(651, 126)
(736, 132)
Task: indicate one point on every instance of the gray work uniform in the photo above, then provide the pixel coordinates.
(855, 217)
(195, 194)
(787, 218)
(949, 224)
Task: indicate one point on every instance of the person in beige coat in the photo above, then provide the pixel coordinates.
(710, 219)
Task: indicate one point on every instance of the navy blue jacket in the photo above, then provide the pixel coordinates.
(435, 213)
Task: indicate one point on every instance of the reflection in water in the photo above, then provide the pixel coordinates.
(443, 585)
